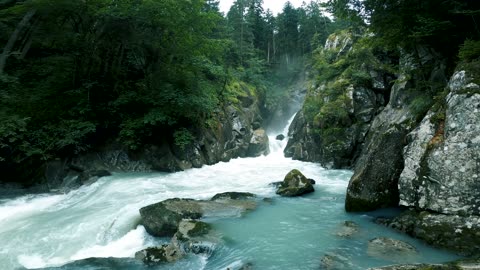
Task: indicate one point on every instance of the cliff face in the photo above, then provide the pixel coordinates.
(375, 180)
(440, 179)
(442, 161)
(348, 89)
(412, 139)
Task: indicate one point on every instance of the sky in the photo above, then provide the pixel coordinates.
(275, 6)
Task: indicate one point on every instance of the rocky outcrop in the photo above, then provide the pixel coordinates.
(459, 234)
(163, 218)
(375, 181)
(178, 218)
(337, 114)
(295, 184)
(390, 249)
(442, 163)
(440, 179)
(189, 238)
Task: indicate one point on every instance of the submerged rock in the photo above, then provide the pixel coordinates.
(155, 255)
(348, 229)
(459, 234)
(295, 184)
(390, 249)
(333, 261)
(233, 196)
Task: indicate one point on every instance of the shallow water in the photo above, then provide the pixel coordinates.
(100, 220)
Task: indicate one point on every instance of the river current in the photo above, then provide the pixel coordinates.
(100, 220)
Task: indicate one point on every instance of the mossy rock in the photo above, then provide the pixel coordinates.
(295, 184)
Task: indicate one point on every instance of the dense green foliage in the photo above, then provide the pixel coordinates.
(75, 75)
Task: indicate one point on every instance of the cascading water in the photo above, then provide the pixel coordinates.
(100, 220)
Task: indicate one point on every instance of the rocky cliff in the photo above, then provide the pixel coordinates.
(439, 181)
(348, 88)
(411, 134)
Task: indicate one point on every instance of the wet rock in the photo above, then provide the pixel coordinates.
(156, 255)
(390, 249)
(332, 261)
(348, 229)
(158, 220)
(233, 196)
(258, 144)
(163, 218)
(459, 234)
(280, 137)
(295, 184)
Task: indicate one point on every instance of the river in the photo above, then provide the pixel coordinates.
(100, 220)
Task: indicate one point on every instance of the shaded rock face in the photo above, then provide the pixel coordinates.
(375, 181)
(443, 160)
(390, 249)
(295, 184)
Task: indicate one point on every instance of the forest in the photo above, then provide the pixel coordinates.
(76, 74)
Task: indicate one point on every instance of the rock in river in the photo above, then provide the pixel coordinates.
(390, 249)
(295, 184)
(163, 218)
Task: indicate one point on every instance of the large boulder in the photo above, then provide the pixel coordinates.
(295, 184)
(163, 218)
(158, 220)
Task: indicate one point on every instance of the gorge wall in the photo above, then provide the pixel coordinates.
(411, 136)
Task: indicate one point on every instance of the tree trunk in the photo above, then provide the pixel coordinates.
(14, 38)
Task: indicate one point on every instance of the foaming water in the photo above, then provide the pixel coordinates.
(100, 220)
